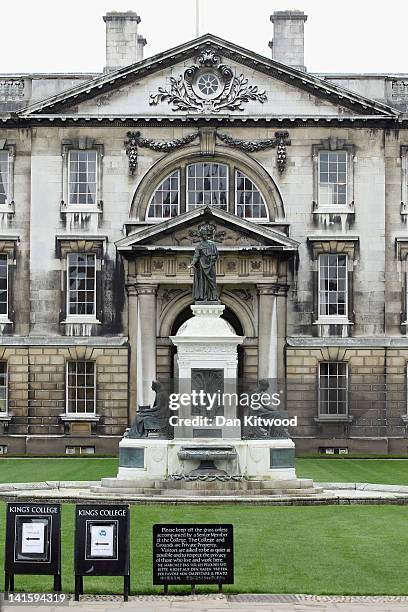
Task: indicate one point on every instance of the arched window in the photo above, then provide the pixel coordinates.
(165, 201)
(249, 202)
(207, 184)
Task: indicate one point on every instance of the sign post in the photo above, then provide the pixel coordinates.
(102, 544)
(33, 542)
(193, 554)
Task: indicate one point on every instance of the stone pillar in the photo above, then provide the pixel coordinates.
(288, 38)
(132, 331)
(146, 342)
(267, 332)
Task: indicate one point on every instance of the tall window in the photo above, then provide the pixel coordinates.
(4, 177)
(81, 384)
(82, 177)
(3, 285)
(207, 184)
(81, 283)
(3, 388)
(333, 388)
(165, 201)
(333, 286)
(332, 178)
(249, 201)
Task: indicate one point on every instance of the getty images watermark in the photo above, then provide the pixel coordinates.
(258, 409)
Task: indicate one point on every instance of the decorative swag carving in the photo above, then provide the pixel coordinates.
(280, 142)
(135, 140)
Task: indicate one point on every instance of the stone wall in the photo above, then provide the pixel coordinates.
(37, 399)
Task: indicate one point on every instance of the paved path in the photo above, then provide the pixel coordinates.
(234, 603)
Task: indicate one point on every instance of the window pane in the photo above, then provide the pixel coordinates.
(4, 176)
(82, 177)
(207, 185)
(333, 285)
(81, 284)
(249, 200)
(332, 178)
(3, 387)
(167, 192)
(333, 388)
(81, 387)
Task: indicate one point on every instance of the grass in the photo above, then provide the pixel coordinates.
(376, 471)
(63, 468)
(382, 471)
(320, 550)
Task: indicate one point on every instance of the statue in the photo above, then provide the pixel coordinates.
(152, 418)
(204, 263)
(266, 411)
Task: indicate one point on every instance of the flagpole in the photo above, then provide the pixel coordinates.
(197, 18)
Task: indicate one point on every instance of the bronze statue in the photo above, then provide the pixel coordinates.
(152, 418)
(267, 412)
(204, 264)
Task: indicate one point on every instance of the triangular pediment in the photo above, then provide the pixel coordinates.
(231, 233)
(245, 84)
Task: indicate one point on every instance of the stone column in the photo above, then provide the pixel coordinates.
(267, 332)
(132, 331)
(146, 342)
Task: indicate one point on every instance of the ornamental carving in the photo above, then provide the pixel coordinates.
(11, 89)
(280, 142)
(208, 87)
(135, 140)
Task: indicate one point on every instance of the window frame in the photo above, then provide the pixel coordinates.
(81, 144)
(85, 204)
(79, 415)
(331, 145)
(4, 317)
(10, 149)
(5, 413)
(332, 318)
(168, 176)
(337, 415)
(81, 317)
(263, 203)
(319, 183)
(231, 191)
(227, 187)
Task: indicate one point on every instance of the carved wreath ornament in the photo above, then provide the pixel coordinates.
(208, 87)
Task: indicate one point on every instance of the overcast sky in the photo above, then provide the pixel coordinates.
(69, 35)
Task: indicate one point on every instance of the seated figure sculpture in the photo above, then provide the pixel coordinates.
(266, 411)
(152, 418)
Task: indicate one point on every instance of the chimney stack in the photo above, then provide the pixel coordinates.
(123, 44)
(288, 38)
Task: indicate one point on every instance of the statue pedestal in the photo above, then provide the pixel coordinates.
(207, 360)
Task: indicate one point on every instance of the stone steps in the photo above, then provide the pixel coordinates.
(106, 492)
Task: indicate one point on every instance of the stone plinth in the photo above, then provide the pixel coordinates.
(207, 346)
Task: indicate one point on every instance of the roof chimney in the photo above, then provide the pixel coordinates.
(288, 38)
(123, 44)
(141, 42)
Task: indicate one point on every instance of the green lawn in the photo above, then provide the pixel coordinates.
(384, 471)
(320, 550)
(381, 471)
(40, 470)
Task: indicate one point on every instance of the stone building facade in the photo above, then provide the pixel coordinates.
(104, 182)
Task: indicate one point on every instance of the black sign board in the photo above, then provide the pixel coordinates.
(33, 542)
(193, 554)
(102, 544)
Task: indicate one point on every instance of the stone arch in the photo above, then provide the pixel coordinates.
(233, 157)
(183, 300)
